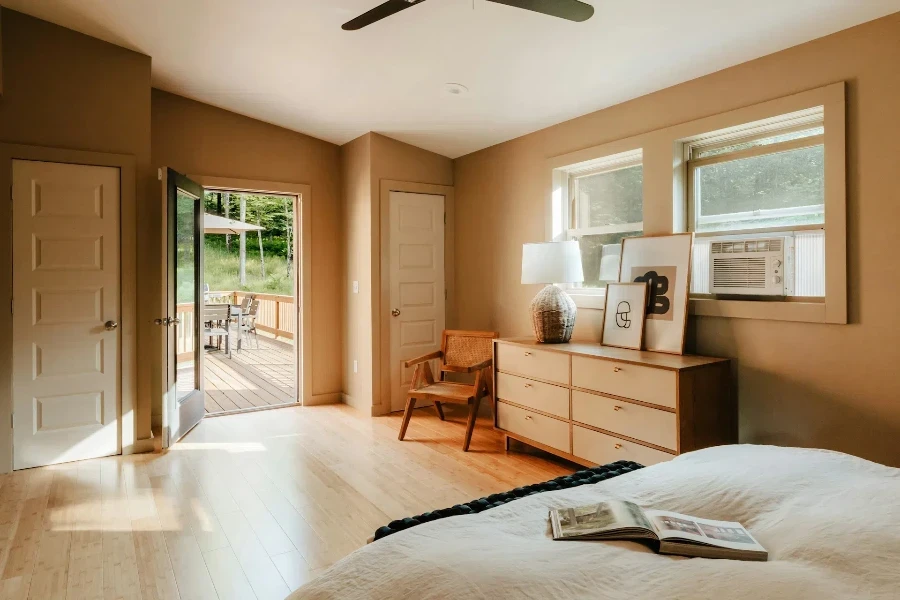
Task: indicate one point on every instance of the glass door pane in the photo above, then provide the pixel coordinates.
(183, 319)
(186, 293)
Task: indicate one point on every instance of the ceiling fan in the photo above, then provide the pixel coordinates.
(572, 10)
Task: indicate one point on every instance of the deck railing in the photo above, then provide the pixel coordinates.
(277, 315)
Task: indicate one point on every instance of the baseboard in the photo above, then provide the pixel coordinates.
(355, 404)
(320, 399)
(141, 446)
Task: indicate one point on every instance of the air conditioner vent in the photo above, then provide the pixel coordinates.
(752, 266)
(739, 272)
(742, 246)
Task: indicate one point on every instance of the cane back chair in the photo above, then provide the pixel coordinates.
(461, 352)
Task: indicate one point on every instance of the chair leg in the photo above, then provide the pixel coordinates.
(473, 414)
(439, 410)
(410, 405)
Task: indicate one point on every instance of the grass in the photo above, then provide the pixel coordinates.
(221, 271)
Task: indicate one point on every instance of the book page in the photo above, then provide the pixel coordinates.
(724, 534)
(598, 518)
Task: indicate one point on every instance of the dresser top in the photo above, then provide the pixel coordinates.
(638, 357)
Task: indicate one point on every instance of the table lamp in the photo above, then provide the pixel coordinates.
(552, 310)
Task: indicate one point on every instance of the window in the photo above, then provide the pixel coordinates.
(605, 205)
(760, 182)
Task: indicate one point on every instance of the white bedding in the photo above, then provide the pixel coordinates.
(831, 524)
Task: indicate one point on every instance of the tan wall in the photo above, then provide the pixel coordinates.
(67, 90)
(199, 139)
(357, 228)
(830, 386)
(373, 158)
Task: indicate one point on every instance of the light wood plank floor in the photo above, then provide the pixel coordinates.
(252, 378)
(246, 506)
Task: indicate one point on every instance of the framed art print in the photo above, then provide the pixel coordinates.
(664, 264)
(623, 318)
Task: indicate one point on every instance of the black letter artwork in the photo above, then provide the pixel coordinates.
(657, 303)
(623, 312)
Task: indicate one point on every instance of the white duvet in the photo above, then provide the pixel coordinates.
(831, 524)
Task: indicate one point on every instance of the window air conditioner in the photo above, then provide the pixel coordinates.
(752, 267)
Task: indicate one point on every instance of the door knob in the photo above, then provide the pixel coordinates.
(396, 312)
(111, 325)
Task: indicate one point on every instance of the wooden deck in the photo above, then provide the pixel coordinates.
(252, 378)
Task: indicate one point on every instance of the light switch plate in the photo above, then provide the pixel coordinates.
(355, 287)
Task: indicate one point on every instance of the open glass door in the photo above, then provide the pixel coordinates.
(183, 306)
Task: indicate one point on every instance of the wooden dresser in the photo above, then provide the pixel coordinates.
(595, 404)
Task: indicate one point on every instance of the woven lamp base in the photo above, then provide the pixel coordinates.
(553, 315)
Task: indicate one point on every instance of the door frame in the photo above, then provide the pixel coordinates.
(303, 271)
(128, 419)
(381, 370)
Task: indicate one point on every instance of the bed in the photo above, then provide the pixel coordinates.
(830, 521)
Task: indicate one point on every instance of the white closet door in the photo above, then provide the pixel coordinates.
(65, 312)
(417, 284)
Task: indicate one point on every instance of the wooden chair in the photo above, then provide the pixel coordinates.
(461, 352)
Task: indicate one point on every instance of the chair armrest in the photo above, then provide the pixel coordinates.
(471, 369)
(421, 359)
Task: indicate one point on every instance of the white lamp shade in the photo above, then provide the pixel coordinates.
(552, 262)
(610, 257)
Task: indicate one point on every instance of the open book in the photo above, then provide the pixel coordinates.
(676, 534)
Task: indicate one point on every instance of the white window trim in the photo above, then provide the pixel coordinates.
(771, 127)
(560, 217)
(665, 191)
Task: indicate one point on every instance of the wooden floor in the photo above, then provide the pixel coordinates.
(252, 378)
(246, 506)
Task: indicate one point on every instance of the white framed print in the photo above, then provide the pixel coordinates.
(623, 316)
(664, 264)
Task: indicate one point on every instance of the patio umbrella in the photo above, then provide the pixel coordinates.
(217, 224)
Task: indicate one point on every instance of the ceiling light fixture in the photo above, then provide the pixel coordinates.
(456, 89)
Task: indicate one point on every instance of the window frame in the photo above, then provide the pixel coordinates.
(665, 193)
(692, 165)
(565, 213)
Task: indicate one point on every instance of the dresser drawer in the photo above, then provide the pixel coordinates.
(534, 394)
(655, 386)
(602, 449)
(539, 428)
(540, 364)
(658, 427)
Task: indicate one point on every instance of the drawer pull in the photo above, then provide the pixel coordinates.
(616, 369)
(617, 408)
(529, 418)
(528, 354)
(618, 446)
(528, 385)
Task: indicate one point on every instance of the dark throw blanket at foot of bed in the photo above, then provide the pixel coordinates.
(584, 477)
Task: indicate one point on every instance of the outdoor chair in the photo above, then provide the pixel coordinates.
(248, 323)
(216, 323)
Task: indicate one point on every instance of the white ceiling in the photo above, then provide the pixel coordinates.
(288, 62)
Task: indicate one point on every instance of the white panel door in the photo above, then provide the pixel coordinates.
(417, 284)
(65, 312)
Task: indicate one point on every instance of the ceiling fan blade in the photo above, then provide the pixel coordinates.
(572, 10)
(378, 13)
